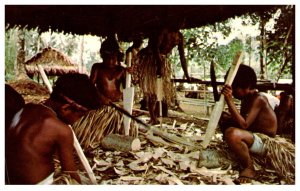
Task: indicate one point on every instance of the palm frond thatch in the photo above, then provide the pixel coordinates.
(53, 61)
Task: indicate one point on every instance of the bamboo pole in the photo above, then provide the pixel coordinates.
(219, 106)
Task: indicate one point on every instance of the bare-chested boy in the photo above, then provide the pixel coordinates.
(256, 116)
(38, 131)
(109, 75)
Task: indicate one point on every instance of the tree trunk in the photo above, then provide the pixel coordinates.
(20, 67)
(284, 57)
(81, 65)
(263, 50)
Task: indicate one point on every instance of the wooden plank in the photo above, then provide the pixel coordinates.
(128, 96)
(219, 106)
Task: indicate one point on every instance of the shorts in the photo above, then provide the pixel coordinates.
(258, 146)
(47, 181)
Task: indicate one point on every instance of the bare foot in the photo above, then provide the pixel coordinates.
(246, 176)
(153, 122)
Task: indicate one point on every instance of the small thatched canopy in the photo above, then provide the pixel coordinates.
(54, 62)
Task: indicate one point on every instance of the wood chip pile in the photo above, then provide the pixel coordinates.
(160, 161)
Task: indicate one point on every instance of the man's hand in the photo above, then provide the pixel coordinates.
(129, 70)
(227, 91)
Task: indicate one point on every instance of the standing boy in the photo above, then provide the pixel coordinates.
(108, 76)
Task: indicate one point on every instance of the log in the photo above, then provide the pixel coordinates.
(121, 143)
(219, 106)
(170, 137)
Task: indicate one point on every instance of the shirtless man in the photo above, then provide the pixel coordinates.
(13, 103)
(38, 131)
(153, 63)
(256, 116)
(109, 75)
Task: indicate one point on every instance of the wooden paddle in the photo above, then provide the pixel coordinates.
(128, 95)
(219, 106)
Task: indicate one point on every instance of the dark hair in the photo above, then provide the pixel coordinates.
(13, 103)
(109, 46)
(245, 78)
(77, 87)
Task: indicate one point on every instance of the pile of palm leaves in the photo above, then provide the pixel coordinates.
(280, 154)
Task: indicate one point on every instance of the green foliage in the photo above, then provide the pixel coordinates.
(10, 53)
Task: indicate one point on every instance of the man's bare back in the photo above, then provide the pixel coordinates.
(34, 139)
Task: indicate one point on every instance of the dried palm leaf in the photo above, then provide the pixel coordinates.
(280, 153)
(91, 128)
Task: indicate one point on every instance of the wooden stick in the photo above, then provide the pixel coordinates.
(83, 159)
(45, 78)
(219, 106)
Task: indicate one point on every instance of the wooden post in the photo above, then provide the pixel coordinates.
(45, 78)
(159, 93)
(219, 106)
(128, 95)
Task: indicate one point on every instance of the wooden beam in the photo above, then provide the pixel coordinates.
(261, 85)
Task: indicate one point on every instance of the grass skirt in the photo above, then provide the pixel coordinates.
(93, 127)
(280, 154)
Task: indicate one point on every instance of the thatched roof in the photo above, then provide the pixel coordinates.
(54, 62)
(125, 20)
